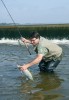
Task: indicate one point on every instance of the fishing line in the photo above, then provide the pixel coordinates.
(15, 24)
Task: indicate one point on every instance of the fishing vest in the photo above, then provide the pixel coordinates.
(54, 51)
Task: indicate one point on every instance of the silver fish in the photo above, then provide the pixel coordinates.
(27, 73)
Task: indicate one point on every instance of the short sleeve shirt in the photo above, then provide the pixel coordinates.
(42, 50)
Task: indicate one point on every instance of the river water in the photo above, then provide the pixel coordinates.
(46, 86)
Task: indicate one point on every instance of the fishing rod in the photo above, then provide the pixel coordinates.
(15, 24)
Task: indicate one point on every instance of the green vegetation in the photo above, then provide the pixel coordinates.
(50, 31)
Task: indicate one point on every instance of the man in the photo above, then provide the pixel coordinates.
(48, 56)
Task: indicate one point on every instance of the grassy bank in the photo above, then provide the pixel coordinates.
(50, 31)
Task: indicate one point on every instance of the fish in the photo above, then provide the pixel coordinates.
(27, 73)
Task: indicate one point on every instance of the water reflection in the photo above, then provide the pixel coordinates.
(43, 88)
(49, 81)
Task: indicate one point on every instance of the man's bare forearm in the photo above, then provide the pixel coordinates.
(35, 61)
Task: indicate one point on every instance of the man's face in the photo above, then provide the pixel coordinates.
(34, 41)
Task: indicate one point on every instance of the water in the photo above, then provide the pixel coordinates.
(15, 86)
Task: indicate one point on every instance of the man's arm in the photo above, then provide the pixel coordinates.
(35, 61)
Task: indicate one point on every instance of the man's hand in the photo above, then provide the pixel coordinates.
(24, 67)
(25, 40)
